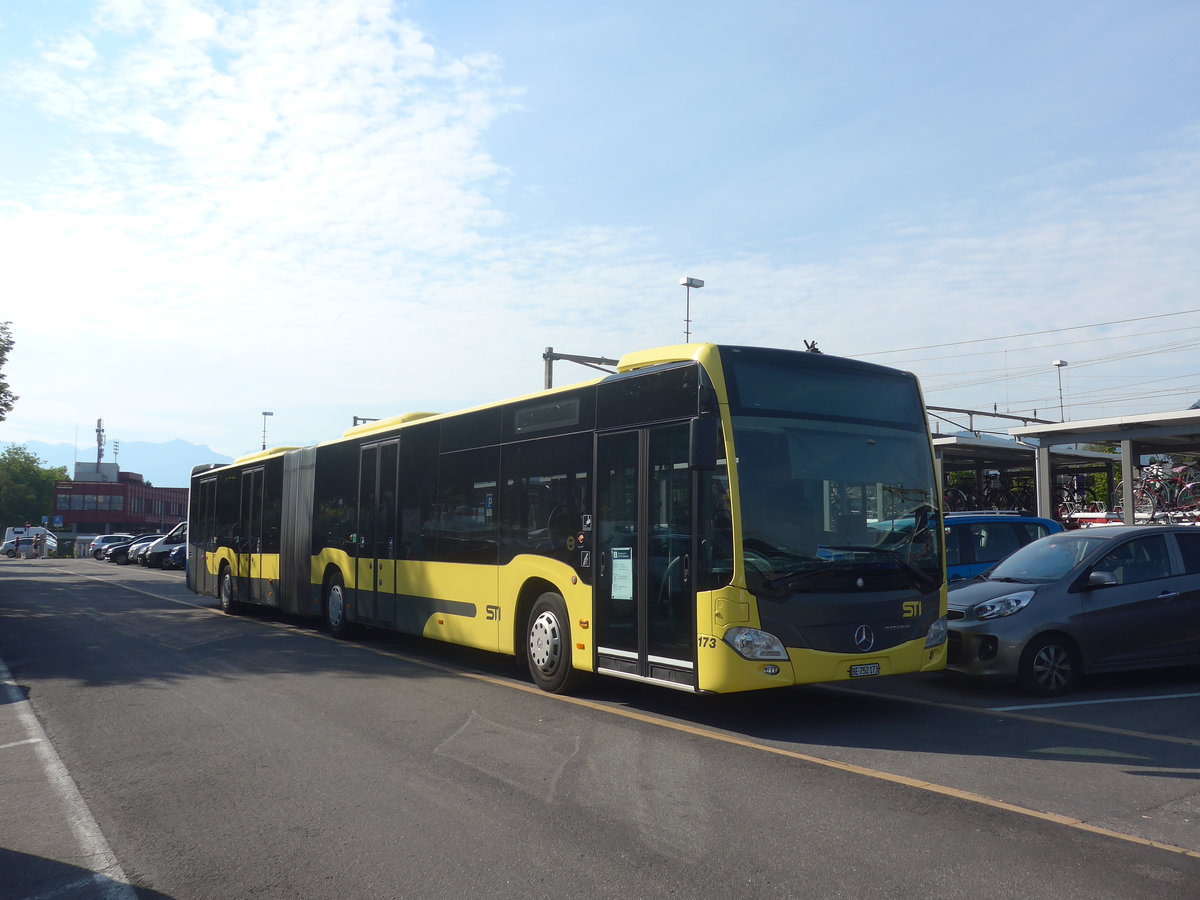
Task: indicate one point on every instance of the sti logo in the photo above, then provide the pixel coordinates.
(911, 609)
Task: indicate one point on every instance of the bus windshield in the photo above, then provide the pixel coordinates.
(829, 495)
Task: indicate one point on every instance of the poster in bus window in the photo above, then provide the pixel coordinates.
(622, 573)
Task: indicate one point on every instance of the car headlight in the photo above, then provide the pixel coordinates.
(754, 644)
(1003, 606)
(937, 633)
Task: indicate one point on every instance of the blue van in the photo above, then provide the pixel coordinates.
(976, 541)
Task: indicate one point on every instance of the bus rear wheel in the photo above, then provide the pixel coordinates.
(548, 645)
(333, 608)
(227, 592)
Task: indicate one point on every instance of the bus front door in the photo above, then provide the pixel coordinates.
(645, 587)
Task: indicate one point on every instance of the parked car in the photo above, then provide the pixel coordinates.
(975, 541)
(158, 551)
(176, 558)
(119, 553)
(137, 551)
(1076, 602)
(102, 541)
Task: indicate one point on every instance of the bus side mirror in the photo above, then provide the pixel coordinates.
(702, 444)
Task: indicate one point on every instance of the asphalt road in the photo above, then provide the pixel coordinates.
(147, 740)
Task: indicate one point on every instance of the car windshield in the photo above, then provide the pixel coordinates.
(1048, 559)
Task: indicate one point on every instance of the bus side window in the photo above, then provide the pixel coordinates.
(545, 491)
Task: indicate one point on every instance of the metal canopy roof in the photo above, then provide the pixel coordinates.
(1167, 432)
(969, 452)
(1151, 433)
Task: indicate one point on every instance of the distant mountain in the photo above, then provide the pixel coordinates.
(163, 465)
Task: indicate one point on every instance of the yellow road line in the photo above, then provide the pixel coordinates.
(698, 731)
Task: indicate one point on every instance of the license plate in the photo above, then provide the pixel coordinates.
(863, 671)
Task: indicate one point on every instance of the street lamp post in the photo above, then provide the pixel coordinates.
(1058, 364)
(688, 284)
(265, 414)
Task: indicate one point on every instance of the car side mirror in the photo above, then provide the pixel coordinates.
(1101, 579)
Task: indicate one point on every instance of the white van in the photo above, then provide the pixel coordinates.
(18, 540)
(21, 543)
(22, 531)
(159, 549)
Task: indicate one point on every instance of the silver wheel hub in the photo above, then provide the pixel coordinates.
(545, 642)
(1052, 667)
(335, 605)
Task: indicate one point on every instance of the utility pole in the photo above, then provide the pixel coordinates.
(688, 283)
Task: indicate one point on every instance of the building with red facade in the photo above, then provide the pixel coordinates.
(103, 500)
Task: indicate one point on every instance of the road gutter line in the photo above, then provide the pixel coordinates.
(107, 873)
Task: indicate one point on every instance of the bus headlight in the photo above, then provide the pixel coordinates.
(937, 633)
(754, 644)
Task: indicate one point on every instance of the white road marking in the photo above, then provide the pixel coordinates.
(107, 873)
(19, 743)
(1092, 702)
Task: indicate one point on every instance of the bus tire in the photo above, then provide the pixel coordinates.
(227, 592)
(333, 607)
(548, 645)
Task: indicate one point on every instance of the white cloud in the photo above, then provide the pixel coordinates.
(290, 206)
(74, 52)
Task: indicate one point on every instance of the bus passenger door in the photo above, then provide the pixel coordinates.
(364, 535)
(250, 554)
(376, 536)
(202, 537)
(385, 535)
(645, 586)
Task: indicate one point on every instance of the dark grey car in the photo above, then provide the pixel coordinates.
(1095, 600)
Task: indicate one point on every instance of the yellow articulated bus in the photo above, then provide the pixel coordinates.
(708, 518)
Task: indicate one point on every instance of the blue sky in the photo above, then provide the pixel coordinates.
(330, 208)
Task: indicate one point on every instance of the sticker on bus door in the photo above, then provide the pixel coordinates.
(622, 573)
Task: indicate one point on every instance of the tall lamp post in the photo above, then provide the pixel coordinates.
(688, 284)
(265, 414)
(1058, 364)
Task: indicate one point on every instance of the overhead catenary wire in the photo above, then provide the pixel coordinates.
(1119, 391)
(989, 376)
(1007, 337)
(1056, 345)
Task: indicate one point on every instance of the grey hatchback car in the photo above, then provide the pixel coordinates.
(1094, 600)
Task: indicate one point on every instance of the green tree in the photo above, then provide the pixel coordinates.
(26, 486)
(7, 398)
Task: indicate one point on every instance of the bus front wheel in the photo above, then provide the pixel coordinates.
(333, 609)
(227, 593)
(548, 645)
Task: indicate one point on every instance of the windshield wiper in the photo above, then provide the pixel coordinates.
(922, 580)
(780, 585)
